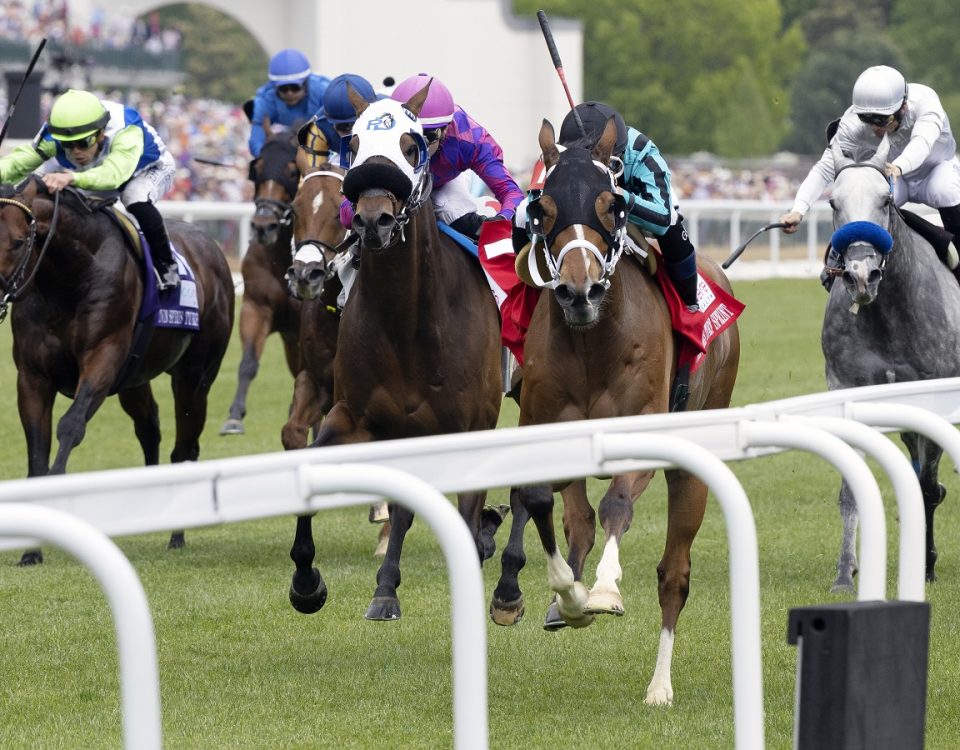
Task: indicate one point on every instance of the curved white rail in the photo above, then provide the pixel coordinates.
(139, 683)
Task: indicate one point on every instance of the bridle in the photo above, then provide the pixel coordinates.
(324, 247)
(16, 285)
(614, 240)
(863, 233)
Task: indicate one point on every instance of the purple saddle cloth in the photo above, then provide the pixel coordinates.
(171, 308)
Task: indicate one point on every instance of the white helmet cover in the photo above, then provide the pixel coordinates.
(879, 90)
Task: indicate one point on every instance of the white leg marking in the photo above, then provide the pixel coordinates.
(571, 595)
(605, 597)
(660, 690)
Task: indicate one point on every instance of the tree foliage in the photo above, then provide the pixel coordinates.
(689, 74)
(220, 57)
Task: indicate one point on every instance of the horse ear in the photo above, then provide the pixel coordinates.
(415, 102)
(840, 160)
(883, 151)
(604, 147)
(358, 102)
(548, 145)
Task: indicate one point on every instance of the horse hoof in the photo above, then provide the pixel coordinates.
(232, 427)
(842, 586)
(553, 621)
(313, 601)
(506, 613)
(604, 603)
(383, 608)
(31, 557)
(659, 697)
(177, 541)
(379, 513)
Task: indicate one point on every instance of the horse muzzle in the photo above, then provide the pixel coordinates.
(580, 304)
(861, 279)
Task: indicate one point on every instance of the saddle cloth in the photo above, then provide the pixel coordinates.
(695, 330)
(173, 308)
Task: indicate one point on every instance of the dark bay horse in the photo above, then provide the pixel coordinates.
(77, 289)
(601, 346)
(419, 345)
(895, 317)
(266, 306)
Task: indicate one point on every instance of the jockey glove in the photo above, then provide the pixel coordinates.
(468, 224)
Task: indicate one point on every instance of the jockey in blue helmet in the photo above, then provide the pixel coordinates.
(335, 118)
(291, 96)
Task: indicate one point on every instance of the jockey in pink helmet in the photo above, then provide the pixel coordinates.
(456, 143)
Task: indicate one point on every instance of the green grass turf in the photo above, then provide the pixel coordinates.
(240, 669)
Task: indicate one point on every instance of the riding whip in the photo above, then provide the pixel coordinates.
(736, 253)
(555, 56)
(13, 104)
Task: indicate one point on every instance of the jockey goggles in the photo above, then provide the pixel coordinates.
(290, 88)
(877, 120)
(80, 143)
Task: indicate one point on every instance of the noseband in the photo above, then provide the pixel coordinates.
(568, 198)
(15, 286)
(867, 233)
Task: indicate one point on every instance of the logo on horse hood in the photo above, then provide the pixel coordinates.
(385, 122)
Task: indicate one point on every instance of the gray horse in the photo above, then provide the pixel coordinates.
(910, 331)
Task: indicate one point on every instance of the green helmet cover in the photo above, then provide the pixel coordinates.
(76, 114)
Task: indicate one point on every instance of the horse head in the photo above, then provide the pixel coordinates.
(862, 203)
(580, 217)
(389, 176)
(275, 176)
(19, 228)
(316, 228)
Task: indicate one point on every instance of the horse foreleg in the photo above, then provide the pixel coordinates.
(72, 426)
(308, 592)
(385, 604)
(571, 595)
(255, 324)
(927, 465)
(506, 606)
(686, 500)
(616, 514)
(847, 562)
(305, 411)
(141, 407)
(35, 399)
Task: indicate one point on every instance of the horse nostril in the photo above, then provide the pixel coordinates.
(596, 292)
(315, 275)
(874, 276)
(386, 220)
(564, 294)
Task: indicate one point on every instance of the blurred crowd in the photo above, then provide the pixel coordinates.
(29, 20)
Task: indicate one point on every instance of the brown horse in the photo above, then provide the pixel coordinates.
(601, 346)
(266, 307)
(77, 289)
(419, 350)
(317, 232)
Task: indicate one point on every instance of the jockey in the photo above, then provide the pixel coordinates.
(456, 143)
(335, 118)
(291, 95)
(923, 165)
(102, 145)
(645, 183)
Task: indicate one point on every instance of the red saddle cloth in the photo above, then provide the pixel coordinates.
(695, 330)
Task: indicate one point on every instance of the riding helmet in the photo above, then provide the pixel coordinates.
(288, 66)
(437, 110)
(76, 114)
(594, 116)
(879, 90)
(336, 102)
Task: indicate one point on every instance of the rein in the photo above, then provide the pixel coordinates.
(17, 284)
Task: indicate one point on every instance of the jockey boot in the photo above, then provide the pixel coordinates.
(680, 259)
(155, 233)
(943, 239)
(950, 217)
